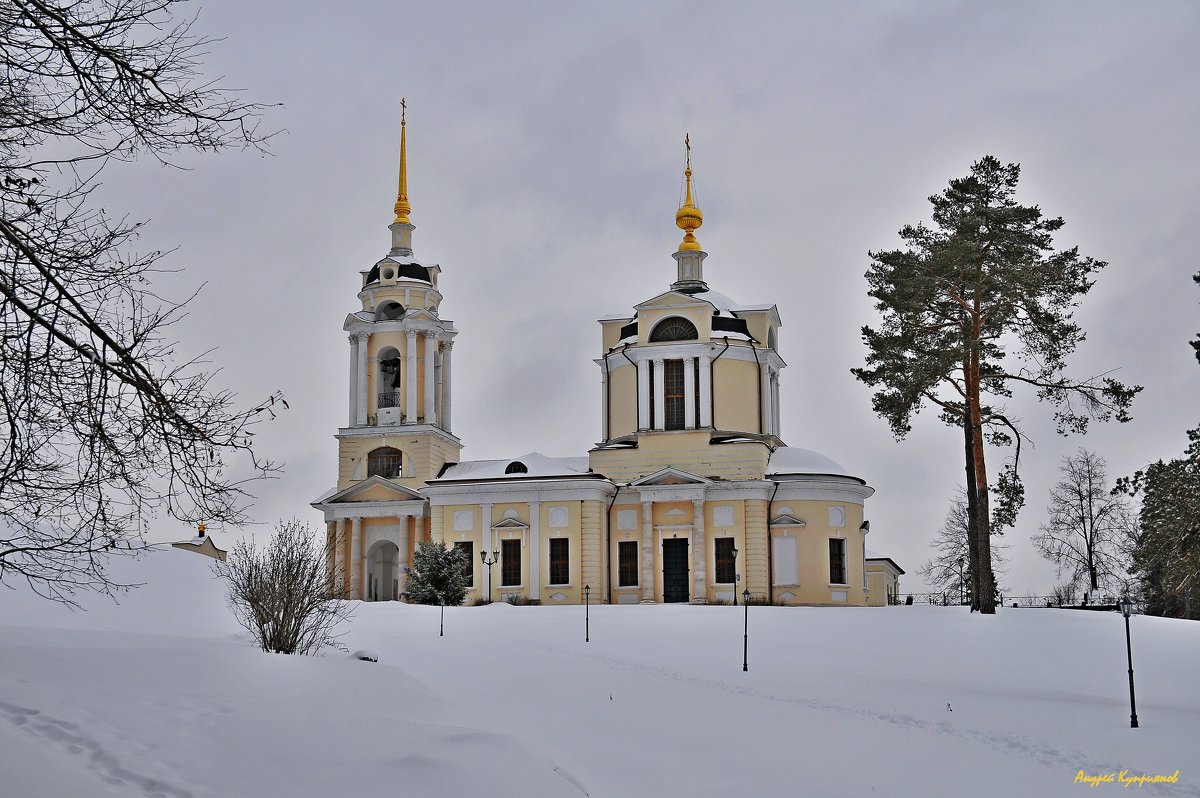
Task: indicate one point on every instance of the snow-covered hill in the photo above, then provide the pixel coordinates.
(164, 696)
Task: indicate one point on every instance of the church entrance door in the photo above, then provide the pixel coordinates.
(675, 570)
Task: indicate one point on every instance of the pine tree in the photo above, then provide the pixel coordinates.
(438, 575)
(973, 307)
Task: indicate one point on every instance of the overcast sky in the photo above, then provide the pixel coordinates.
(545, 151)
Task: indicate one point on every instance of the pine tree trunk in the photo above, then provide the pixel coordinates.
(984, 578)
(972, 512)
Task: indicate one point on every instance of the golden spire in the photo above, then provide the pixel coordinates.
(200, 529)
(688, 218)
(402, 207)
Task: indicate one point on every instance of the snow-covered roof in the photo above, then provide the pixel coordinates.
(789, 460)
(536, 465)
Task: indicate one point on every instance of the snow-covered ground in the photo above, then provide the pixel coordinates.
(164, 696)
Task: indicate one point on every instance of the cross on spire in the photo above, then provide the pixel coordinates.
(687, 143)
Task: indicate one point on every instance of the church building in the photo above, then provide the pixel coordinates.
(691, 494)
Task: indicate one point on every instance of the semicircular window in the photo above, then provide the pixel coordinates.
(516, 467)
(384, 462)
(674, 329)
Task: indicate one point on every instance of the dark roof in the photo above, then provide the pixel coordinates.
(405, 271)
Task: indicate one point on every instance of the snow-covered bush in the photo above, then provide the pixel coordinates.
(285, 595)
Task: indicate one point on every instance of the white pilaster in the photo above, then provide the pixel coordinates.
(689, 393)
(402, 544)
(660, 412)
(699, 553)
(339, 556)
(764, 393)
(643, 387)
(410, 378)
(447, 348)
(430, 377)
(706, 391)
(362, 379)
(353, 381)
(604, 400)
(356, 559)
(648, 552)
(535, 562)
(485, 540)
(777, 427)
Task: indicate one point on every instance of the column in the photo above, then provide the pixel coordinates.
(660, 412)
(643, 389)
(648, 552)
(706, 391)
(447, 347)
(362, 379)
(410, 378)
(699, 553)
(485, 542)
(535, 562)
(776, 426)
(430, 378)
(356, 559)
(353, 380)
(604, 398)
(402, 544)
(689, 393)
(340, 557)
(764, 392)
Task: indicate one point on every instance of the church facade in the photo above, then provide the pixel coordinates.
(691, 495)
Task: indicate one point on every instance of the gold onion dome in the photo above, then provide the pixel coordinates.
(688, 218)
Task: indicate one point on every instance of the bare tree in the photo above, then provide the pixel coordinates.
(103, 425)
(949, 569)
(286, 595)
(1087, 524)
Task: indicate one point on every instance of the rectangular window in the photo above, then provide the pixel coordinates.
(725, 560)
(560, 561)
(627, 570)
(468, 548)
(784, 559)
(673, 393)
(510, 563)
(837, 561)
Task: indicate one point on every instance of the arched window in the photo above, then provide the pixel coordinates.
(516, 467)
(771, 343)
(674, 329)
(389, 311)
(384, 462)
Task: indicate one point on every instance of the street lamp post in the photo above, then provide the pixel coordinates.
(488, 563)
(733, 551)
(745, 629)
(1126, 609)
(961, 586)
(587, 593)
(442, 616)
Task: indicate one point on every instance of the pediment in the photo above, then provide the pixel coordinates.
(788, 520)
(510, 523)
(669, 299)
(375, 489)
(670, 476)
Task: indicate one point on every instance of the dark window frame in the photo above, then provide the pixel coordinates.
(627, 569)
(469, 567)
(510, 566)
(674, 416)
(386, 462)
(674, 328)
(837, 562)
(560, 561)
(724, 563)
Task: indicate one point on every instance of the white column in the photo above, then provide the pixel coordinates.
(648, 552)
(485, 540)
(401, 577)
(353, 380)
(535, 562)
(410, 378)
(706, 391)
(776, 428)
(660, 412)
(340, 556)
(643, 388)
(356, 559)
(689, 393)
(765, 394)
(699, 552)
(430, 378)
(447, 347)
(604, 398)
(362, 379)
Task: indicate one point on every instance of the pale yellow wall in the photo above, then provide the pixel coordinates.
(723, 590)
(424, 455)
(688, 451)
(622, 400)
(699, 314)
(610, 333)
(812, 553)
(735, 395)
